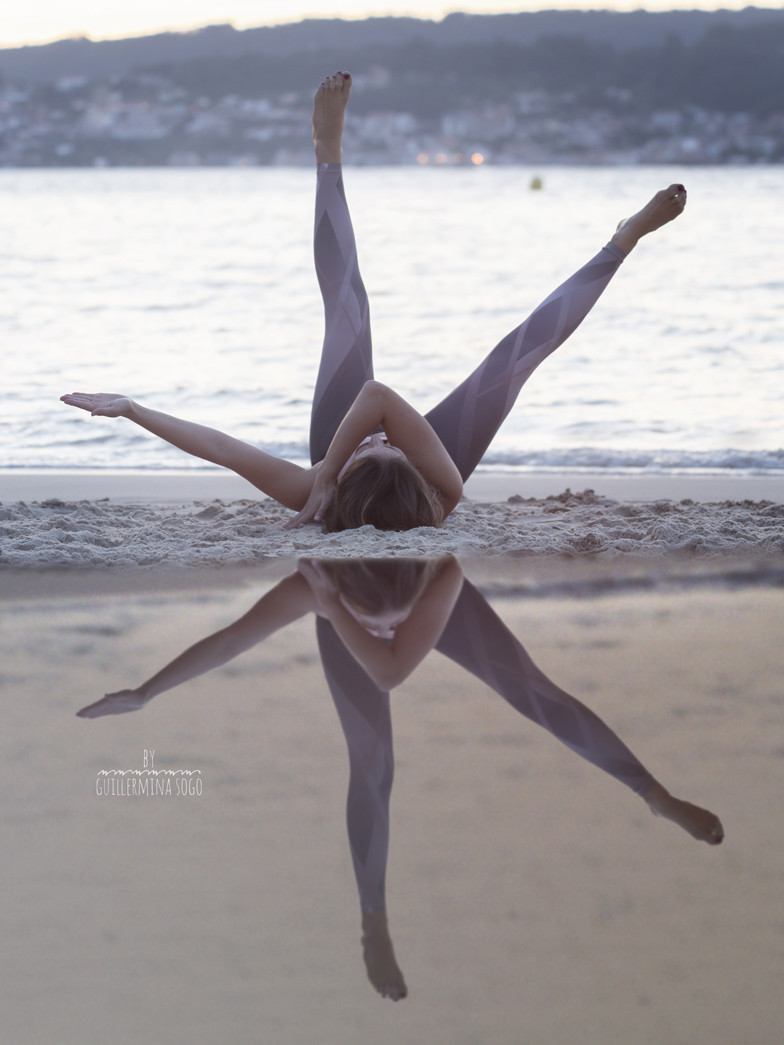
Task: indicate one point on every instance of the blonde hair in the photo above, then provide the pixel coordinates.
(386, 492)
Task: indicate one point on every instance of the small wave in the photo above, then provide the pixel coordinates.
(727, 576)
(651, 462)
(136, 452)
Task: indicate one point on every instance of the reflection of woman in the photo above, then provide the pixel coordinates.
(478, 640)
(377, 620)
(375, 458)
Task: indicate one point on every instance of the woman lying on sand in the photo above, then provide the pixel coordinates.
(375, 459)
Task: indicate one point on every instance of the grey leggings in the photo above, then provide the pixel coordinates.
(466, 422)
(477, 639)
(469, 417)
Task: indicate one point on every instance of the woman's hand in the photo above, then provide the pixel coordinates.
(321, 495)
(114, 704)
(324, 589)
(100, 404)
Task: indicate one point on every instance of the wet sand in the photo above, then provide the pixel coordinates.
(484, 487)
(531, 897)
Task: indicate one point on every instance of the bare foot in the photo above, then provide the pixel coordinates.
(700, 823)
(664, 207)
(382, 968)
(329, 109)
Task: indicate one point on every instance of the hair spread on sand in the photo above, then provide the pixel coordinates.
(386, 492)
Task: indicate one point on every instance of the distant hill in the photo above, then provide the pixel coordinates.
(332, 38)
(554, 86)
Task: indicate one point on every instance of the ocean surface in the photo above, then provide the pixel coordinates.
(193, 291)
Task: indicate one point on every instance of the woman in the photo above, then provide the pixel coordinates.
(375, 459)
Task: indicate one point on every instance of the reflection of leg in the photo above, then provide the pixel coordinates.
(468, 419)
(478, 640)
(379, 955)
(346, 357)
(364, 714)
(700, 823)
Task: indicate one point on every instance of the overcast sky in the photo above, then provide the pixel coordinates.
(34, 21)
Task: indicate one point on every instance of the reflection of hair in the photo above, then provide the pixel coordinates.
(386, 492)
(376, 585)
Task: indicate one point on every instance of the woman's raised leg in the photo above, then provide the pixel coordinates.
(467, 420)
(346, 355)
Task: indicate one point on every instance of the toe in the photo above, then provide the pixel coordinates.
(716, 835)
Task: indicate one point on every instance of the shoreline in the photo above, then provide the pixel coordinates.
(541, 580)
(484, 488)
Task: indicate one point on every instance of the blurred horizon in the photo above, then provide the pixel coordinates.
(41, 22)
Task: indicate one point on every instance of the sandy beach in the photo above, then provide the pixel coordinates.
(210, 518)
(531, 896)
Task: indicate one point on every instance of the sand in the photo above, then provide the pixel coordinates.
(54, 520)
(531, 897)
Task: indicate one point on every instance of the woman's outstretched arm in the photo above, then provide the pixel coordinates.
(286, 602)
(282, 480)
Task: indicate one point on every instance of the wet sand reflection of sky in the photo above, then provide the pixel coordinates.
(513, 865)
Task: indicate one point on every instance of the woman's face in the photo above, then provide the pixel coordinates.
(375, 447)
(381, 624)
(378, 448)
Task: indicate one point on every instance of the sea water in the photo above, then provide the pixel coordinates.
(193, 291)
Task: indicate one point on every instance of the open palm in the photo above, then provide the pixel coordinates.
(99, 404)
(114, 704)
